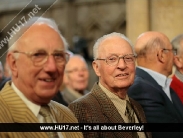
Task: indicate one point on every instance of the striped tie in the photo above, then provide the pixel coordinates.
(45, 112)
(130, 114)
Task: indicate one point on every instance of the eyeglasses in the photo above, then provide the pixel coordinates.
(174, 51)
(40, 58)
(114, 59)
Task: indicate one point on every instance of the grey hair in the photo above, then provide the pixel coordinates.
(12, 44)
(176, 43)
(101, 39)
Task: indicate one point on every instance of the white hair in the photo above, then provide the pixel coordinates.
(176, 43)
(98, 42)
(12, 44)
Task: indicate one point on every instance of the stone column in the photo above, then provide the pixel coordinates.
(137, 18)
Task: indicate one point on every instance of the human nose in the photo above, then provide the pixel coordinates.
(50, 64)
(121, 62)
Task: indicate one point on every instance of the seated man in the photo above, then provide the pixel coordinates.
(151, 87)
(76, 78)
(108, 102)
(37, 59)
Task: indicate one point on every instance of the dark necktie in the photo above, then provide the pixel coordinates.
(45, 112)
(130, 114)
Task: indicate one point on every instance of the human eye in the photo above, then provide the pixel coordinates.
(73, 70)
(112, 58)
(129, 58)
(39, 54)
(59, 55)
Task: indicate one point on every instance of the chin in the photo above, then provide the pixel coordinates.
(48, 93)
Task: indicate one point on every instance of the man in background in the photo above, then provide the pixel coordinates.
(151, 87)
(76, 77)
(177, 79)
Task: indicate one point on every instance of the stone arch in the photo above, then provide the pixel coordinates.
(120, 24)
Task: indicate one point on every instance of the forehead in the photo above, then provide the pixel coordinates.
(115, 45)
(75, 62)
(40, 37)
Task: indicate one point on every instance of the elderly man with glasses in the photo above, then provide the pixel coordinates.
(37, 58)
(151, 87)
(108, 102)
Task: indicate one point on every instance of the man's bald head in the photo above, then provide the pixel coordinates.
(148, 42)
(154, 51)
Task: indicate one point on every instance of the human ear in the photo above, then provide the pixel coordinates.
(11, 60)
(96, 68)
(178, 61)
(160, 56)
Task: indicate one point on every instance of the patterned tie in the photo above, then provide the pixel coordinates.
(45, 112)
(130, 114)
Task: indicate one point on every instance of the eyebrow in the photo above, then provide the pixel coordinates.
(44, 50)
(117, 54)
(59, 50)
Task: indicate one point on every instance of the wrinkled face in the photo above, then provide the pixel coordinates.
(119, 76)
(76, 74)
(38, 83)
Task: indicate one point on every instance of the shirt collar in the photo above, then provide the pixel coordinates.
(119, 103)
(110, 94)
(161, 79)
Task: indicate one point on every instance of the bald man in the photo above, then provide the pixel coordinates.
(76, 78)
(151, 87)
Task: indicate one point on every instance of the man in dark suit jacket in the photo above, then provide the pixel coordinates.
(152, 85)
(108, 100)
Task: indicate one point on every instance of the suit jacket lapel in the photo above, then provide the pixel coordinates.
(140, 116)
(19, 111)
(148, 79)
(176, 107)
(108, 108)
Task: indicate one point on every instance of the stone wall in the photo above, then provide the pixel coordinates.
(154, 15)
